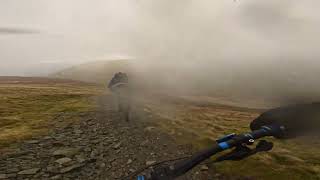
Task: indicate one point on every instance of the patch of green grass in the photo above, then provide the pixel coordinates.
(254, 167)
(28, 110)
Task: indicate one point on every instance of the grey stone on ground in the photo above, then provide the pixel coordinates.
(29, 171)
(148, 163)
(71, 168)
(148, 129)
(63, 160)
(129, 161)
(117, 146)
(66, 152)
(204, 168)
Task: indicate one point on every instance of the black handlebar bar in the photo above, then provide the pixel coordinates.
(224, 143)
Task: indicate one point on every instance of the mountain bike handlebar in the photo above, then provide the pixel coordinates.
(227, 142)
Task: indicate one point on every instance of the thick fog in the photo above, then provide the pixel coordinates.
(241, 47)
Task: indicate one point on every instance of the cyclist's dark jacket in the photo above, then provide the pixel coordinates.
(298, 119)
(118, 78)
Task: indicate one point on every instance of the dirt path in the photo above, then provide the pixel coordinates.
(99, 146)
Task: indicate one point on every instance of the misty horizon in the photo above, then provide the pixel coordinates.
(270, 47)
(191, 31)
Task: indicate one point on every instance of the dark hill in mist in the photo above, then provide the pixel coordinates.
(151, 78)
(264, 84)
(99, 72)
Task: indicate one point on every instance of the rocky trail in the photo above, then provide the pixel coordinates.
(99, 146)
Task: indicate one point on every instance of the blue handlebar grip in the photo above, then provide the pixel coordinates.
(226, 138)
(140, 178)
(224, 145)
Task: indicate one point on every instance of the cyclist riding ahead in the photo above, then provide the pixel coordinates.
(281, 123)
(120, 90)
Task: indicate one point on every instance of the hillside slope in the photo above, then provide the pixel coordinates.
(98, 72)
(200, 119)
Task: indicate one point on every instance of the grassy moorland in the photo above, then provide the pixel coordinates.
(28, 106)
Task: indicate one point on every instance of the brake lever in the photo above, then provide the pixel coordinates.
(243, 151)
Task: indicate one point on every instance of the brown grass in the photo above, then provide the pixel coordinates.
(29, 106)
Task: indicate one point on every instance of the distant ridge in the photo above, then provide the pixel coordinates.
(99, 72)
(37, 80)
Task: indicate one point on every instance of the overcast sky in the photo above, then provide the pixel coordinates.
(40, 34)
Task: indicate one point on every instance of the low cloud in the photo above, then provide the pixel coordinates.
(12, 30)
